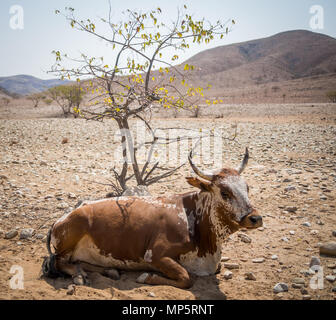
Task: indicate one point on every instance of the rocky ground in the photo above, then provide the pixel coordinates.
(291, 174)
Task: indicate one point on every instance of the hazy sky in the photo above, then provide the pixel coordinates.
(28, 51)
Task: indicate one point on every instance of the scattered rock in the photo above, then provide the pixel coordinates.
(333, 289)
(62, 206)
(280, 287)
(26, 233)
(334, 233)
(65, 140)
(250, 276)
(231, 266)
(292, 232)
(228, 275)
(245, 238)
(284, 239)
(11, 234)
(137, 191)
(306, 297)
(291, 209)
(290, 188)
(304, 291)
(331, 278)
(328, 249)
(299, 281)
(258, 260)
(39, 236)
(274, 257)
(306, 224)
(151, 294)
(223, 259)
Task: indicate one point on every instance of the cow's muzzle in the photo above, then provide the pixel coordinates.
(251, 221)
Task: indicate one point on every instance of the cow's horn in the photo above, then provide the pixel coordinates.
(198, 171)
(244, 162)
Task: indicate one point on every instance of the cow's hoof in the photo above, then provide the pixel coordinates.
(79, 280)
(112, 273)
(142, 278)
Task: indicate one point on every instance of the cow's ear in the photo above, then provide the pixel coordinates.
(195, 182)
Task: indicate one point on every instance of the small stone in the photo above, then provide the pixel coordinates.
(258, 260)
(331, 278)
(284, 239)
(291, 209)
(306, 224)
(306, 297)
(334, 233)
(26, 233)
(224, 259)
(299, 281)
(274, 257)
(280, 287)
(11, 234)
(290, 188)
(304, 291)
(333, 289)
(297, 285)
(65, 140)
(231, 266)
(63, 205)
(39, 236)
(245, 238)
(314, 232)
(291, 232)
(328, 249)
(151, 294)
(261, 229)
(250, 276)
(71, 289)
(228, 275)
(315, 261)
(71, 195)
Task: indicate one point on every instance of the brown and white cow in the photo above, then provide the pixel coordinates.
(175, 235)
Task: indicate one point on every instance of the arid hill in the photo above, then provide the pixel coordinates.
(282, 57)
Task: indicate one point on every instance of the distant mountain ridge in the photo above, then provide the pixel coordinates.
(282, 57)
(26, 84)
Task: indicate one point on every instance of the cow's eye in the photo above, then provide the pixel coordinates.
(225, 195)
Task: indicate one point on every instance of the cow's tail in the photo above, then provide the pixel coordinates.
(49, 268)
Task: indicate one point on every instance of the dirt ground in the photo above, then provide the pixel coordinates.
(291, 175)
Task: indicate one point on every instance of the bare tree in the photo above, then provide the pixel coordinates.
(36, 98)
(140, 78)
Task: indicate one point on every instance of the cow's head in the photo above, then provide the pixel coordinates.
(230, 193)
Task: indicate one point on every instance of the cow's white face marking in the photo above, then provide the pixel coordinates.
(239, 201)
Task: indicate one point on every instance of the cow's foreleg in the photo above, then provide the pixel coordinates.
(178, 276)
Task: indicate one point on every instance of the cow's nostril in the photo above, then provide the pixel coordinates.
(255, 219)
